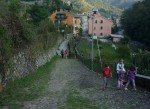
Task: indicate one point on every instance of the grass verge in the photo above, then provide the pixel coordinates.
(75, 101)
(27, 88)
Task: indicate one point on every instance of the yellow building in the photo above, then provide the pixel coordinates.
(76, 23)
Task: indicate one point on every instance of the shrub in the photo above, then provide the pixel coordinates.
(123, 51)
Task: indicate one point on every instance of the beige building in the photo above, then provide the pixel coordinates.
(116, 37)
(76, 23)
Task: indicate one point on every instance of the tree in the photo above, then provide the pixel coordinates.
(45, 31)
(38, 13)
(115, 29)
(14, 33)
(125, 40)
(5, 52)
(136, 23)
(80, 32)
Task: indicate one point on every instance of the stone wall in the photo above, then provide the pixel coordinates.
(25, 62)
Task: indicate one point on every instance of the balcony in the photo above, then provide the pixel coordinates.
(61, 16)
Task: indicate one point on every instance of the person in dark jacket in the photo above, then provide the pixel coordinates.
(62, 53)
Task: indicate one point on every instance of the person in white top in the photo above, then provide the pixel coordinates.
(120, 67)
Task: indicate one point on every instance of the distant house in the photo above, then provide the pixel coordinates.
(67, 18)
(98, 25)
(116, 37)
(62, 16)
(116, 21)
(76, 23)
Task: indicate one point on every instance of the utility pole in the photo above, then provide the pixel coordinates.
(100, 59)
(92, 37)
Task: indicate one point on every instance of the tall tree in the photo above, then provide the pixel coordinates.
(38, 13)
(136, 23)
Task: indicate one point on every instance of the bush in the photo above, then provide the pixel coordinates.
(123, 51)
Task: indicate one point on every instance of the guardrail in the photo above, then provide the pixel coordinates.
(143, 81)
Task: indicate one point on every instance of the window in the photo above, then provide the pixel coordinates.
(101, 34)
(101, 21)
(101, 27)
(62, 16)
(75, 21)
(58, 16)
(94, 28)
(94, 34)
(94, 12)
(76, 28)
(95, 21)
(59, 21)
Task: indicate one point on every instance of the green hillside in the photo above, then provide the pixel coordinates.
(123, 4)
(104, 7)
(87, 5)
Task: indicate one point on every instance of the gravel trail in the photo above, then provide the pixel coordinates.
(69, 75)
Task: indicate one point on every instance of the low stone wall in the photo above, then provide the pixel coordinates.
(25, 62)
(143, 81)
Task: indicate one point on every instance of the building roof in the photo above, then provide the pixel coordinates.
(99, 15)
(75, 15)
(61, 12)
(116, 36)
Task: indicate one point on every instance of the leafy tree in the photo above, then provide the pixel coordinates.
(136, 23)
(58, 4)
(125, 40)
(38, 13)
(80, 32)
(17, 33)
(115, 29)
(5, 51)
(45, 31)
(14, 33)
(15, 6)
(66, 7)
(123, 51)
(67, 29)
(16, 26)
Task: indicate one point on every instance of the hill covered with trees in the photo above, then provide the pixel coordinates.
(123, 4)
(106, 7)
(25, 27)
(88, 5)
(136, 21)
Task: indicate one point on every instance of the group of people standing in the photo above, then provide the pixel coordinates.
(120, 73)
(64, 53)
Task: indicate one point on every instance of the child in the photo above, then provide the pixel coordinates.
(121, 79)
(131, 77)
(119, 67)
(106, 72)
(66, 53)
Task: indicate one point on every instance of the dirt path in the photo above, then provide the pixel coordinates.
(73, 86)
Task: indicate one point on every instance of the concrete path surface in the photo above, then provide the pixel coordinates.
(63, 46)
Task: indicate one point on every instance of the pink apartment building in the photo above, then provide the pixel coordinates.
(98, 25)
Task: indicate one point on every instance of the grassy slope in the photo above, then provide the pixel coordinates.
(25, 89)
(108, 55)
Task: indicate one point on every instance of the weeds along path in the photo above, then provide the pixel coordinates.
(73, 86)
